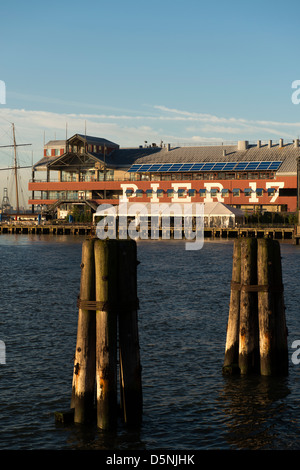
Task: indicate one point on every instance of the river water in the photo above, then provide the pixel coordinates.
(184, 303)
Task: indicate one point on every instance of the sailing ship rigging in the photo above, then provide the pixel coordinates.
(15, 166)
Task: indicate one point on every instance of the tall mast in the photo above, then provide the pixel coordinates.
(15, 169)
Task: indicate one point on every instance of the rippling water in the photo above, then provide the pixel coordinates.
(184, 302)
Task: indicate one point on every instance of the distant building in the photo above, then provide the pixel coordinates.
(88, 171)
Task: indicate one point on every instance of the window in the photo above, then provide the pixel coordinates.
(149, 192)
(202, 192)
(259, 192)
(247, 192)
(214, 192)
(48, 152)
(160, 193)
(236, 192)
(192, 192)
(57, 152)
(225, 192)
(170, 192)
(139, 193)
(271, 191)
(181, 192)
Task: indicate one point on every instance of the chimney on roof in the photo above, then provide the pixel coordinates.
(259, 144)
(168, 147)
(280, 142)
(243, 144)
(296, 143)
(224, 153)
(270, 144)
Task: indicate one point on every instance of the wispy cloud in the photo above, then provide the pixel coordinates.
(130, 128)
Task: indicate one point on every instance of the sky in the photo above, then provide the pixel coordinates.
(182, 72)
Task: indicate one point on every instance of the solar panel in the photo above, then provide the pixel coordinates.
(166, 167)
(241, 166)
(263, 165)
(155, 167)
(252, 166)
(274, 165)
(206, 166)
(197, 166)
(229, 166)
(134, 168)
(186, 167)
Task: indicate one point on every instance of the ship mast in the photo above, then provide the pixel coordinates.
(15, 169)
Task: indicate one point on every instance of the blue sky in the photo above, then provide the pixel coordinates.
(178, 71)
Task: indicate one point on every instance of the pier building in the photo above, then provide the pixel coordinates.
(87, 171)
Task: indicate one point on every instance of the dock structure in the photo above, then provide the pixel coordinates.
(277, 233)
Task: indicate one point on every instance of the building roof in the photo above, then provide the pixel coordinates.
(288, 154)
(123, 158)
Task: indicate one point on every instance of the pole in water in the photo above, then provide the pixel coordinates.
(272, 326)
(106, 268)
(232, 338)
(85, 354)
(129, 351)
(248, 329)
(262, 338)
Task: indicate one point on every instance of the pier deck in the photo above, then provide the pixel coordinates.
(278, 233)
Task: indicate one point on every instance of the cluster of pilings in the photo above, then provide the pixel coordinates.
(107, 324)
(256, 339)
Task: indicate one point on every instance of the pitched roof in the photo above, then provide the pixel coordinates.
(288, 154)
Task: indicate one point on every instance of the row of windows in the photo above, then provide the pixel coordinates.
(202, 192)
(201, 176)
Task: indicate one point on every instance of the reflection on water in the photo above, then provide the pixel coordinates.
(253, 406)
(184, 304)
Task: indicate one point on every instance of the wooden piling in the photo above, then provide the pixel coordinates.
(258, 311)
(272, 323)
(266, 306)
(84, 363)
(129, 351)
(248, 329)
(232, 338)
(106, 269)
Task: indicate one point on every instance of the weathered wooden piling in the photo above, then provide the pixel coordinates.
(108, 307)
(257, 299)
(129, 350)
(248, 330)
(85, 354)
(272, 325)
(232, 340)
(106, 268)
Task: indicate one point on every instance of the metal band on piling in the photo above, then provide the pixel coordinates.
(106, 306)
(256, 288)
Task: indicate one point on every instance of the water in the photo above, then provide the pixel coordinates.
(184, 302)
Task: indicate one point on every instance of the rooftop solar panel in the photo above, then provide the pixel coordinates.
(274, 165)
(186, 166)
(229, 166)
(241, 166)
(166, 167)
(218, 166)
(206, 166)
(252, 166)
(263, 165)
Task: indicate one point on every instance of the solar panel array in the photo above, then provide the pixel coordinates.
(208, 166)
